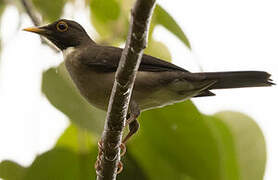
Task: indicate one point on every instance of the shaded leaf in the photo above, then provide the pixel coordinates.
(68, 160)
(2, 7)
(175, 143)
(60, 91)
(178, 142)
(61, 163)
(10, 170)
(83, 142)
(50, 10)
(161, 17)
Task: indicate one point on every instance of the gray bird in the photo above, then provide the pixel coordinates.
(158, 83)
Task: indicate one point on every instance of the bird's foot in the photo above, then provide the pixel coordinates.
(100, 153)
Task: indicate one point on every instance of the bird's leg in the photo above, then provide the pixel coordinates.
(133, 128)
(100, 153)
(132, 122)
(133, 125)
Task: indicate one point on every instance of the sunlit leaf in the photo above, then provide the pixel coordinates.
(60, 91)
(105, 11)
(249, 144)
(76, 139)
(178, 142)
(109, 20)
(50, 10)
(161, 17)
(158, 49)
(11, 171)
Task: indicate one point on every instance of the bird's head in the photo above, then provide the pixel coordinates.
(63, 33)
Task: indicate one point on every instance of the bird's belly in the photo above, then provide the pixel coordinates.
(97, 89)
(160, 98)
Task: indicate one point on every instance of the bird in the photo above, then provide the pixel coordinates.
(158, 83)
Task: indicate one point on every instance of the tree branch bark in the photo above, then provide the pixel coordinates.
(28, 6)
(122, 89)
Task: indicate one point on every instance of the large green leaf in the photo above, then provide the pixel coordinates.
(81, 141)
(72, 158)
(175, 143)
(105, 11)
(249, 144)
(158, 49)
(60, 91)
(50, 10)
(184, 144)
(61, 163)
(109, 20)
(10, 170)
(162, 17)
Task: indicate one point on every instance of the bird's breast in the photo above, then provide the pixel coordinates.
(93, 86)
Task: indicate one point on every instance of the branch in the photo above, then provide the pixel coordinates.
(122, 89)
(36, 21)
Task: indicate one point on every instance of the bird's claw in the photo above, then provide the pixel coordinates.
(100, 153)
(120, 167)
(123, 149)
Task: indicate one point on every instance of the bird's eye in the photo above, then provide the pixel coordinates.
(62, 26)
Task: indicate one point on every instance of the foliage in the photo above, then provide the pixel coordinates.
(175, 142)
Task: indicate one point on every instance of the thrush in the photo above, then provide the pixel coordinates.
(158, 83)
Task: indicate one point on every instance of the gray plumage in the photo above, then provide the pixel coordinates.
(158, 83)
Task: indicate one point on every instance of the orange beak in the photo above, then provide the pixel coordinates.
(37, 30)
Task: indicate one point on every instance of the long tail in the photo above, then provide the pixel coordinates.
(237, 79)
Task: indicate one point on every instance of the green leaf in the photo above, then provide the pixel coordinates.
(76, 139)
(109, 20)
(2, 7)
(178, 142)
(161, 17)
(11, 171)
(50, 10)
(158, 49)
(174, 142)
(61, 163)
(249, 144)
(81, 141)
(61, 92)
(69, 160)
(105, 11)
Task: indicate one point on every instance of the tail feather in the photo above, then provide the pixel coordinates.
(237, 79)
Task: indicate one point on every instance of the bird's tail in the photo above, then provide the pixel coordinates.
(237, 79)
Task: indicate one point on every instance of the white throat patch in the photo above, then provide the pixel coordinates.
(68, 51)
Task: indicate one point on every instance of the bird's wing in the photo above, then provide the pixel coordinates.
(106, 59)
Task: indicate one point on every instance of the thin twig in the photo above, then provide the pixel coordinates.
(28, 6)
(123, 85)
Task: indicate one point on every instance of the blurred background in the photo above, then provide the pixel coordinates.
(47, 131)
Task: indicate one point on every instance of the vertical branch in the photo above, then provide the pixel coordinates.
(123, 85)
(28, 6)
